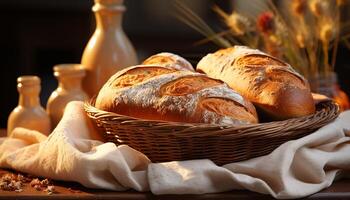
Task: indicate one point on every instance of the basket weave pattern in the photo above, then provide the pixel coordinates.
(167, 141)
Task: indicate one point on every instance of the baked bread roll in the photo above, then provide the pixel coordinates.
(271, 84)
(169, 60)
(160, 93)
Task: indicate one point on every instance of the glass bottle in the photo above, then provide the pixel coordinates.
(109, 49)
(69, 88)
(328, 85)
(29, 113)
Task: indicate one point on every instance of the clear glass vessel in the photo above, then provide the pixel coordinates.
(328, 85)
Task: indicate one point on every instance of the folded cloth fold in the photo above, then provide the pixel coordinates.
(74, 152)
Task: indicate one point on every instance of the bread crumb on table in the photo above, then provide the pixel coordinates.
(12, 182)
(50, 189)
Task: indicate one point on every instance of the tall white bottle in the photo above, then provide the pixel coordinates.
(109, 50)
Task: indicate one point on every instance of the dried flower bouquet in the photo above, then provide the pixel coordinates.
(304, 33)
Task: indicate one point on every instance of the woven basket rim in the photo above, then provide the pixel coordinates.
(204, 130)
(164, 141)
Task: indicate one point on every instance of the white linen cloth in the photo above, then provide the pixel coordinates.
(73, 153)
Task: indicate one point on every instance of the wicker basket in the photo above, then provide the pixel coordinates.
(167, 141)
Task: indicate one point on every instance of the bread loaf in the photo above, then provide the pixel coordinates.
(271, 84)
(160, 93)
(169, 60)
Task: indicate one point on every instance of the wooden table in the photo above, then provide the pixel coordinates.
(70, 190)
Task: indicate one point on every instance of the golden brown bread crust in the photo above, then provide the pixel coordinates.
(169, 60)
(269, 83)
(160, 93)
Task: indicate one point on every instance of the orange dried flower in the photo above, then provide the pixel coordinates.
(299, 7)
(318, 7)
(238, 23)
(341, 2)
(300, 40)
(327, 32)
(265, 22)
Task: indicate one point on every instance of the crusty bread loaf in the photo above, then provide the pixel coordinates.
(160, 93)
(272, 85)
(169, 60)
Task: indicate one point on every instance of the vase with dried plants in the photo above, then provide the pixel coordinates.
(304, 33)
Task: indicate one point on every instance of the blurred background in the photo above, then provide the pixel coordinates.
(38, 34)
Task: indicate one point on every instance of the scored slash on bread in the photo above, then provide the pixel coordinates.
(163, 93)
(272, 85)
(169, 60)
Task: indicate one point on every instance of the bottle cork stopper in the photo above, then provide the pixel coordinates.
(69, 69)
(28, 80)
(111, 5)
(109, 2)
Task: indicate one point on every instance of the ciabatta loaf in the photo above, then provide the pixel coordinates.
(272, 85)
(169, 60)
(160, 93)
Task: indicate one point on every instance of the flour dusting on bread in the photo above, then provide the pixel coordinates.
(263, 79)
(148, 97)
(169, 60)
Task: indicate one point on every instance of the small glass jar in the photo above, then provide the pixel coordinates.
(29, 113)
(327, 84)
(69, 88)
